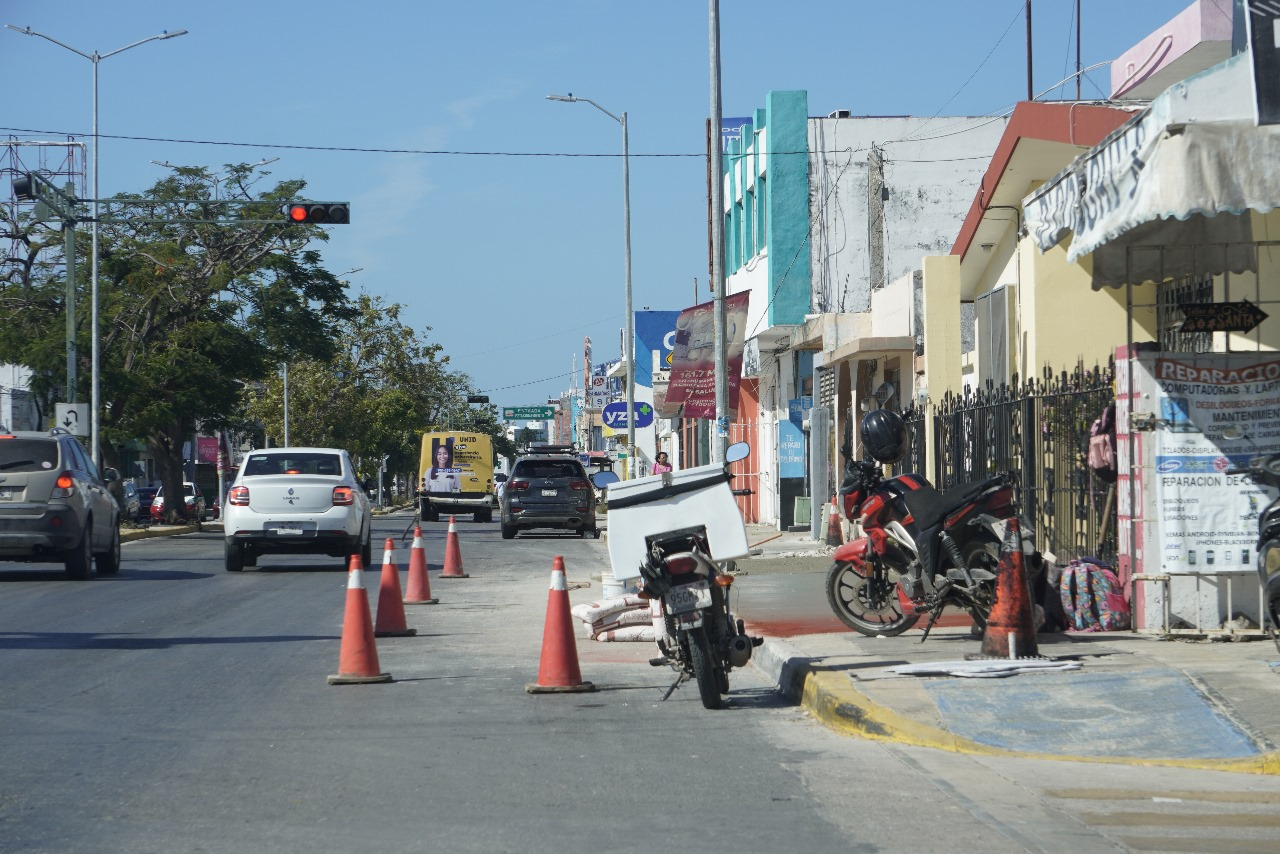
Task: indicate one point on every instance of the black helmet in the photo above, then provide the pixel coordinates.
(884, 435)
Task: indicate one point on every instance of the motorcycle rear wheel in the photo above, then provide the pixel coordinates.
(867, 604)
(982, 554)
(704, 668)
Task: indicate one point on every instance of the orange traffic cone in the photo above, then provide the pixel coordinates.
(558, 671)
(358, 660)
(452, 554)
(390, 622)
(1011, 630)
(418, 591)
(835, 531)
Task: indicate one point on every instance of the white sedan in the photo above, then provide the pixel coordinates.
(296, 500)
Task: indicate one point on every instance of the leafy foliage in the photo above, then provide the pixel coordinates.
(204, 292)
(383, 388)
(196, 299)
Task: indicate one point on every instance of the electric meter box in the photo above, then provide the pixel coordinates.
(661, 503)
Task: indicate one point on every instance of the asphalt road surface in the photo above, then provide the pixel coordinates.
(180, 708)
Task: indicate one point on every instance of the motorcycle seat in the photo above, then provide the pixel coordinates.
(930, 507)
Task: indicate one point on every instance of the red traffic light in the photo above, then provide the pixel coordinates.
(331, 213)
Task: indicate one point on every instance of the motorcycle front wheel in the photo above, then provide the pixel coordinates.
(867, 602)
(704, 668)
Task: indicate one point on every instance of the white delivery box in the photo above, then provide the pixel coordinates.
(663, 503)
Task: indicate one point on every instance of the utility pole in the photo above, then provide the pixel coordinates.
(720, 434)
(1031, 92)
(1077, 50)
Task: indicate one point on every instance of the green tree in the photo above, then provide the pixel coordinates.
(383, 387)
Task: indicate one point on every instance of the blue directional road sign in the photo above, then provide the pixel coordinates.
(615, 415)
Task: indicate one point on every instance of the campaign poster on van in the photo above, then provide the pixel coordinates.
(1215, 412)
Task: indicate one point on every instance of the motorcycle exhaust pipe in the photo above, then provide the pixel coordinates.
(739, 650)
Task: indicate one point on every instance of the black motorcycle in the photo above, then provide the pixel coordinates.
(1264, 470)
(702, 639)
(697, 634)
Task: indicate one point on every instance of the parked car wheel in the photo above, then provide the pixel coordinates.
(108, 562)
(508, 532)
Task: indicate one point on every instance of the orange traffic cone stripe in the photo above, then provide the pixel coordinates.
(391, 621)
(835, 531)
(358, 658)
(452, 554)
(558, 671)
(418, 590)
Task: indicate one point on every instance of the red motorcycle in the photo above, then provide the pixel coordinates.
(921, 549)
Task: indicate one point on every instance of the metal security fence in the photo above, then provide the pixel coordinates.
(1038, 430)
(915, 460)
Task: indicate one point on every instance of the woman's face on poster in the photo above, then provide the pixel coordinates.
(442, 457)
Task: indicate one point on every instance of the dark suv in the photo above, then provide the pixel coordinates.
(548, 488)
(54, 506)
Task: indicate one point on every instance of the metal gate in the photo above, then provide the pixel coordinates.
(1038, 430)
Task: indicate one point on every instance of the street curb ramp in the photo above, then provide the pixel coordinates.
(829, 695)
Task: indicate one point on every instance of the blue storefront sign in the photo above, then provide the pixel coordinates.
(655, 333)
(615, 415)
(791, 442)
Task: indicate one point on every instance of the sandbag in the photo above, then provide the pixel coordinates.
(628, 633)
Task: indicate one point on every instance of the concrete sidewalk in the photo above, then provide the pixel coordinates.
(1135, 698)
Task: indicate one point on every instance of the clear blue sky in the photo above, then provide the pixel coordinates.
(512, 259)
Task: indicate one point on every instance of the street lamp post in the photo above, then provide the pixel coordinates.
(629, 334)
(95, 58)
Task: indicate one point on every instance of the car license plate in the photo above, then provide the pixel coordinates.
(549, 493)
(287, 529)
(689, 597)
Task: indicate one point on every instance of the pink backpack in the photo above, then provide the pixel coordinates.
(1102, 450)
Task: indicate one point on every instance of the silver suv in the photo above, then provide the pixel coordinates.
(54, 506)
(548, 488)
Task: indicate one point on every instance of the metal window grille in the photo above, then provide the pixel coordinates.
(1170, 297)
